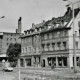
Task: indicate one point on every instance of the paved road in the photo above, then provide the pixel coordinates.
(6, 77)
(41, 74)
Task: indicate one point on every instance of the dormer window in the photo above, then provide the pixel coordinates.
(35, 30)
(39, 28)
(28, 31)
(57, 25)
(49, 26)
(61, 23)
(25, 32)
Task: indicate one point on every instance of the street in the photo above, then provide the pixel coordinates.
(40, 74)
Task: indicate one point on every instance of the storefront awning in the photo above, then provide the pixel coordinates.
(2, 55)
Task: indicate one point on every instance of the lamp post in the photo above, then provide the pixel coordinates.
(74, 48)
(2, 17)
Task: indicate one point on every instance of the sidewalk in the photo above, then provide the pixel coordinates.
(6, 77)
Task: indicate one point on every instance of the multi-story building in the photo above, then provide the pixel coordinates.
(52, 42)
(30, 46)
(8, 37)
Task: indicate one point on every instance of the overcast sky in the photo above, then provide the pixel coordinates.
(31, 11)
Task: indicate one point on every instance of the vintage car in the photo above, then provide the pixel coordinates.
(8, 69)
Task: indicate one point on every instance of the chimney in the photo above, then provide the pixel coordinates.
(33, 25)
(19, 25)
(43, 21)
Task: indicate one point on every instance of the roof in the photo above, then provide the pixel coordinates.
(66, 18)
(36, 26)
(56, 29)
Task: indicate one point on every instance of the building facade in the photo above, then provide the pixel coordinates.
(9, 37)
(31, 46)
(52, 42)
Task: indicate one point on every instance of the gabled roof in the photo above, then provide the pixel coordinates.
(65, 19)
(36, 26)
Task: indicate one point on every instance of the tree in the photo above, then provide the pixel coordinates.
(13, 52)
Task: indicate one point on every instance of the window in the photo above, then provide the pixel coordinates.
(53, 46)
(49, 27)
(11, 34)
(7, 39)
(79, 24)
(29, 39)
(58, 34)
(22, 50)
(42, 37)
(48, 36)
(15, 39)
(10, 39)
(76, 44)
(34, 49)
(53, 35)
(64, 44)
(26, 50)
(7, 44)
(59, 45)
(43, 45)
(65, 33)
(48, 46)
(29, 49)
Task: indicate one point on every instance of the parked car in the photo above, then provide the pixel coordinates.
(8, 69)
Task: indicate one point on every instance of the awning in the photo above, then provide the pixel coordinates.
(2, 55)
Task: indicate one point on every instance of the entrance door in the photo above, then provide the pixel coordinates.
(43, 62)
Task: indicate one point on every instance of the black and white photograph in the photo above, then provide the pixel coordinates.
(39, 39)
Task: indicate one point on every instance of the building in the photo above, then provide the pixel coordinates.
(52, 43)
(30, 46)
(8, 37)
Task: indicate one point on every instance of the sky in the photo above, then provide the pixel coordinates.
(31, 11)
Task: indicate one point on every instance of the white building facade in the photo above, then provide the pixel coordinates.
(52, 42)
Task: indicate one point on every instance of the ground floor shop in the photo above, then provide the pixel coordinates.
(66, 60)
(58, 60)
(30, 61)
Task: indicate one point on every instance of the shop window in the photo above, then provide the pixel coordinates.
(21, 62)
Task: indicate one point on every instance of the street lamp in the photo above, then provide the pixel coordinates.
(74, 48)
(2, 17)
